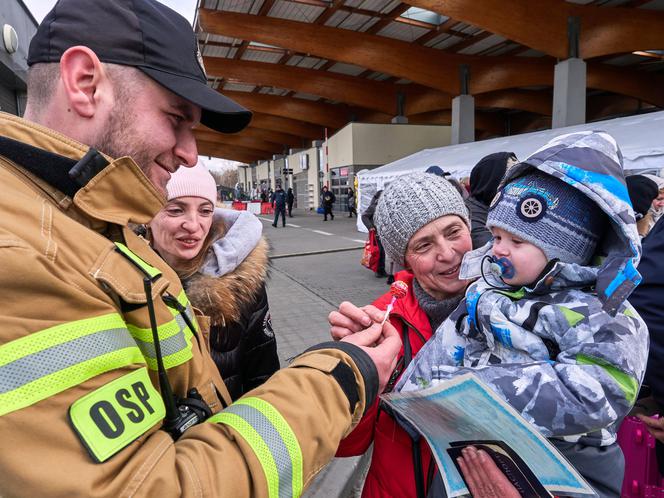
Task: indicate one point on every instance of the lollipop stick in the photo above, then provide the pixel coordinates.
(388, 310)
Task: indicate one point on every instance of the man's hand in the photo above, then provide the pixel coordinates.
(350, 319)
(382, 344)
(655, 426)
(483, 477)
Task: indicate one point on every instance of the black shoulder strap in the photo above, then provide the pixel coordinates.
(65, 174)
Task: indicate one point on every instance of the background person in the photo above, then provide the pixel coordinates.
(484, 180)
(642, 192)
(228, 287)
(351, 203)
(328, 200)
(423, 223)
(278, 201)
(368, 221)
(290, 198)
(657, 207)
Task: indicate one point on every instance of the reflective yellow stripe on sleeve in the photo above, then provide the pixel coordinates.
(273, 441)
(47, 362)
(174, 337)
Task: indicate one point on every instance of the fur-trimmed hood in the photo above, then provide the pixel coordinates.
(222, 298)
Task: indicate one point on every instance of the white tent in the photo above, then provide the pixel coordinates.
(641, 139)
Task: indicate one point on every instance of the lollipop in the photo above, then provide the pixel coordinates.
(398, 289)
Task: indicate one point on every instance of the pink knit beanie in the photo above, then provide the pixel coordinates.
(192, 182)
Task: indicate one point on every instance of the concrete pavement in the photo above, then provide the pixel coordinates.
(315, 266)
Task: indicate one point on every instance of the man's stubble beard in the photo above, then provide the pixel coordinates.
(120, 138)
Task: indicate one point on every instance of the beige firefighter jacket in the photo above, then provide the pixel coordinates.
(80, 412)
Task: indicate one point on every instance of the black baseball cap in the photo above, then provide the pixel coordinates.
(141, 33)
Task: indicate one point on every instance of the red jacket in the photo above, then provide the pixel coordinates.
(391, 473)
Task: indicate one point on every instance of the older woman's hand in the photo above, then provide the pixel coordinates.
(483, 477)
(349, 319)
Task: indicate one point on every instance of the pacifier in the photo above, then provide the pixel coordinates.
(501, 267)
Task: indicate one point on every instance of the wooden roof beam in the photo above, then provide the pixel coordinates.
(203, 137)
(319, 113)
(362, 93)
(542, 25)
(486, 121)
(276, 137)
(539, 102)
(339, 87)
(424, 65)
(427, 66)
(285, 125)
(232, 153)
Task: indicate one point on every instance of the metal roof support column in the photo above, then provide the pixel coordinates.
(463, 111)
(401, 105)
(569, 83)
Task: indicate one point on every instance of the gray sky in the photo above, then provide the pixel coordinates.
(39, 8)
(187, 8)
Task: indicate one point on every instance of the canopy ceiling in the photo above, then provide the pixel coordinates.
(306, 65)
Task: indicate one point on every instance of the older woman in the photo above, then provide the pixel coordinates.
(423, 224)
(223, 270)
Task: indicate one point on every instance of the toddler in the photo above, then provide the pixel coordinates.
(547, 326)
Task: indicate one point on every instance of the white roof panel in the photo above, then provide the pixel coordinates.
(302, 61)
(235, 5)
(306, 96)
(343, 68)
(354, 22)
(269, 90)
(449, 41)
(295, 11)
(261, 56)
(467, 29)
(401, 31)
(222, 39)
(214, 51)
(337, 18)
(238, 87)
(389, 6)
(481, 45)
(378, 76)
(376, 5)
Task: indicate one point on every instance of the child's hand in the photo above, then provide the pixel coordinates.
(655, 426)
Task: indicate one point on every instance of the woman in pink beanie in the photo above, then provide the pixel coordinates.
(221, 258)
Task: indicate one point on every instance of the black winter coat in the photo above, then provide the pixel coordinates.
(647, 298)
(484, 181)
(242, 341)
(279, 198)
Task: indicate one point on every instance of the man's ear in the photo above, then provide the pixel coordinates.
(83, 78)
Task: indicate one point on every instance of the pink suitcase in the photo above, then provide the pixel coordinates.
(642, 478)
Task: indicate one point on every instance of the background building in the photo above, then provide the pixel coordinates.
(17, 29)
